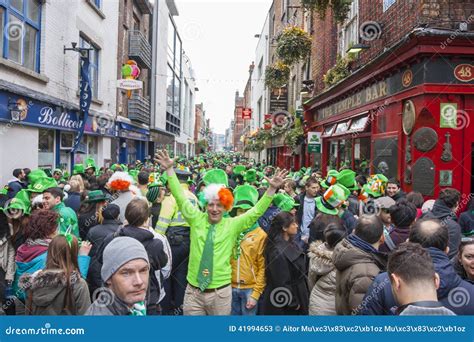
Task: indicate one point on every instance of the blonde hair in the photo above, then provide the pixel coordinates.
(75, 186)
(79, 180)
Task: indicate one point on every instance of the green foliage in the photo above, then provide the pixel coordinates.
(277, 75)
(338, 72)
(295, 135)
(340, 8)
(294, 44)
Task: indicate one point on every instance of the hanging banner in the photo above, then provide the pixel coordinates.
(247, 113)
(85, 98)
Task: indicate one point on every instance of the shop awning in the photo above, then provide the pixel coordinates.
(355, 125)
(328, 130)
(358, 124)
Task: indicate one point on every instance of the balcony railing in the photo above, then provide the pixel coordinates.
(139, 109)
(139, 49)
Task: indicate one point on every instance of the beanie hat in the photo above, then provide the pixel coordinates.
(118, 252)
(111, 211)
(153, 193)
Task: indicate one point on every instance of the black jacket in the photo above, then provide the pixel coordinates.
(466, 221)
(447, 217)
(86, 221)
(73, 201)
(156, 255)
(286, 287)
(14, 187)
(399, 195)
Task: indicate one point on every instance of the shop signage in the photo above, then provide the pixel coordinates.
(314, 142)
(129, 84)
(278, 100)
(267, 123)
(247, 113)
(448, 115)
(464, 72)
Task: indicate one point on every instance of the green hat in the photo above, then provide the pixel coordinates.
(115, 166)
(245, 197)
(96, 196)
(43, 184)
(347, 178)
(332, 199)
(90, 163)
(164, 178)
(331, 179)
(20, 201)
(35, 175)
(134, 174)
(376, 185)
(124, 167)
(78, 169)
(239, 170)
(57, 171)
(216, 176)
(250, 176)
(284, 202)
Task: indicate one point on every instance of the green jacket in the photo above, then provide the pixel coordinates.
(227, 231)
(67, 217)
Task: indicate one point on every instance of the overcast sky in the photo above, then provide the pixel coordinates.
(218, 37)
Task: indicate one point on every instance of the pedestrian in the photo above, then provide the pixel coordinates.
(290, 189)
(155, 196)
(213, 238)
(248, 261)
(444, 209)
(110, 224)
(125, 273)
(58, 289)
(286, 292)
(464, 262)
(121, 185)
(90, 213)
(73, 200)
(322, 272)
(417, 199)
(143, 179)
(319, 224)
(402, 216)
(307, 209)
(382, 210)
(414, 282)
(7, 260)
(16, 183)
(31, 256)
(78, 178)
(394, 191)
(137, 226)
(432, 235)
(53, 200)
(374, 188)
(466, 219)
(358, 262)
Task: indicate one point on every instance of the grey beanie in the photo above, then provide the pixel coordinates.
(118, 252)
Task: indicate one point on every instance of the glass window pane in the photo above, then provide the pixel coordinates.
(362, 155)
(17, 4)
(2, 24)
(14, 36)
(333, 152)
(169, 91)
(33, 10)
(177, 56)
(342, 127)
(46, 148)
(171, 36)
(29, 60)
(177, 92)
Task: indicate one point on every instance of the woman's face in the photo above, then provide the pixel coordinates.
(467, 260)
(292, 229)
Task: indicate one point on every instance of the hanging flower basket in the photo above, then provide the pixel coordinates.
(277, 75)
(340, 8)
(338, 72)
(294, 44)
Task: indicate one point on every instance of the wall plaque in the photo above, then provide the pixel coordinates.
(409, 115)
(424, 176)
(446, 178)
(425, 139)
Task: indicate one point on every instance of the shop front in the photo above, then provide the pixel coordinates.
(133, 143)
(161, 140)
(37, 133)
(408, 118)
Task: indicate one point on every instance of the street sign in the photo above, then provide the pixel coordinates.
(314, 142)
(314, 148)
(247, 113)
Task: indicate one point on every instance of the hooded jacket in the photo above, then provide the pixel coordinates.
(466, 221)
(46, 293)
(448, 218)
(455, 293)
(321, 280)
(356, 269)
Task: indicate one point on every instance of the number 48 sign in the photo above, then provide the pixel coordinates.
(464, 72)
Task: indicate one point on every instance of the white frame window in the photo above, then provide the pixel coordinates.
(349, 32)
(387, 4)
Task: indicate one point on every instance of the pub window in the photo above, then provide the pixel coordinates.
(362, 156)
(46, 148)
(328, 130)
(332, 155)
(20, 31)
(342, 127)
(345, 153)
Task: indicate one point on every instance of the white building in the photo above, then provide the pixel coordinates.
(40, 81)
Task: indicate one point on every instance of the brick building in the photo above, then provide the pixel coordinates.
(238, 128)
(405, 107)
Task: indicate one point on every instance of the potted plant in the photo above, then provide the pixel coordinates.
(293, 45)
(277, 75)
(340, 8)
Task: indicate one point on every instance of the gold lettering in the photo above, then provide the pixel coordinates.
(368, 95)
(383, 88)
(358, 99)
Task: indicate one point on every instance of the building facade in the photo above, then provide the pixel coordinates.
(238, 128)
(39, 82)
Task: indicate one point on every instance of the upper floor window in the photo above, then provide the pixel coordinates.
(349, 33)
(97, 3)
(94, 65)
(387, 4)
(20, 31)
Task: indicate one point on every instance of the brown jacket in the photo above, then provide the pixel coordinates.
(356, 269)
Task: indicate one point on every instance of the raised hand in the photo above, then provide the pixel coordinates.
(163, 159)
(277, 180)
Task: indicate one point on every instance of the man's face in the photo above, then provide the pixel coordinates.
(90, 171)
(228, 169)
(130, 282)
(312, 189)
(22, 175)
(215, 210)
(392, 189)
(57, 176)
(385, 216)
(49, 201)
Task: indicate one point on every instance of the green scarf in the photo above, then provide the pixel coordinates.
(138, 309)
(237, 248)
(207, 260)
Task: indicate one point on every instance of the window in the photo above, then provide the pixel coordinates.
(46, 148)
(333, 154)
(362, 156)
(387, 4)
(177, 56)
(171, 42)
(94, 66)
(169, 90)
(20, 32)
(260, 68)
(349, 34)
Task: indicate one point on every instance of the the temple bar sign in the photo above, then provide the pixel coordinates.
(367, 95)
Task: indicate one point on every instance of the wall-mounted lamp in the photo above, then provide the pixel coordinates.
(308, 86)
(357, 48)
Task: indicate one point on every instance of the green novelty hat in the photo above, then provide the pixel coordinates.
(347, 178)
(78, 169)
(21, 201)
(245, 197)
(284, 202)
(376, 185)
(90, 164)
(35, 175)
(216, 176)
(250, 176)
(332, 199)
(331, 179)
(43, 184)
(95, 196)
(239, 170)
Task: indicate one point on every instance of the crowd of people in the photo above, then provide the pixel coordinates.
(219, 234)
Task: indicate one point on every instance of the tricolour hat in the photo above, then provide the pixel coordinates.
(284, 202)
(376, 185)
(216, 176)
(245, 197)
(346, 178)
(330, 180)
(332, 199)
